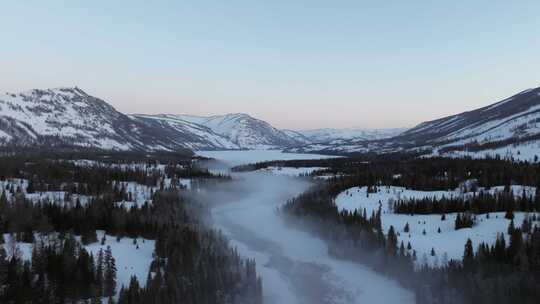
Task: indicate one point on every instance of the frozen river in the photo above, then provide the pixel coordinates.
(294, 265)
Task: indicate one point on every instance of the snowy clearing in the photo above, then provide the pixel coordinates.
(449, 243)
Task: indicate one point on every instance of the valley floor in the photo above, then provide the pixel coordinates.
(295, 266)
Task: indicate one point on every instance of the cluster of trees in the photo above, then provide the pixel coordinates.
(504, 272)
(192, 263)
(193, 267)
(94, 177)
(59, 271)
(477, 203)
(464, 220)
(421, 174)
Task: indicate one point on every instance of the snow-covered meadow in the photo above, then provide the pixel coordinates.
(133, 256)
(449, 243)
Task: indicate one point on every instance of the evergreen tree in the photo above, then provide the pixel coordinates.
(391, 241)
(109, 276)
(468, 255)
(100, 273)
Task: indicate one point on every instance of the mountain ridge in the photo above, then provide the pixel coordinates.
(509, 124)
(69, 117)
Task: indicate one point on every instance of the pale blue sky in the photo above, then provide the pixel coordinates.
(297, 64)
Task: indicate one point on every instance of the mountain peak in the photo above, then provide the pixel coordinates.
(69, 91)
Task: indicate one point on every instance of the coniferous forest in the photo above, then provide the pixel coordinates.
(191, 263)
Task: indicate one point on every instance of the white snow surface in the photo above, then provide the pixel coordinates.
(242, 129)
(449, 244)
(66, 112)
(130, 261)
(202, 136)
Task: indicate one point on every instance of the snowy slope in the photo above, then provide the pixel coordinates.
(193, 135)
(68, 117)
(245, 131)
(298, 136)
(492, 130)
(516, 117)
(331, 134)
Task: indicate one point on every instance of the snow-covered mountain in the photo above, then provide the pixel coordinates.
(331, 134)
(70, 118)
(515, 118)
(508, 128)
(504, 128)
(192, 135)
(245, 131)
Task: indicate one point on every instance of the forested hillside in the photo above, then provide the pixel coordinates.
(68, 224)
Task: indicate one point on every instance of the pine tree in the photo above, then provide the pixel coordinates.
(511, 227)
(110, 272)
(458, 224)
(509, 215)
(391, 241)
(468, 255)
(30, 187)
(100, 272)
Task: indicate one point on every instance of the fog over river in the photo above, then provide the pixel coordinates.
(295, 266)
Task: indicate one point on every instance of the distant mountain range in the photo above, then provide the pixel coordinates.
(508, 128)
(70, 118)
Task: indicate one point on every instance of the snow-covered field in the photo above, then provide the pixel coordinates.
(449, 243)
(130, 261)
